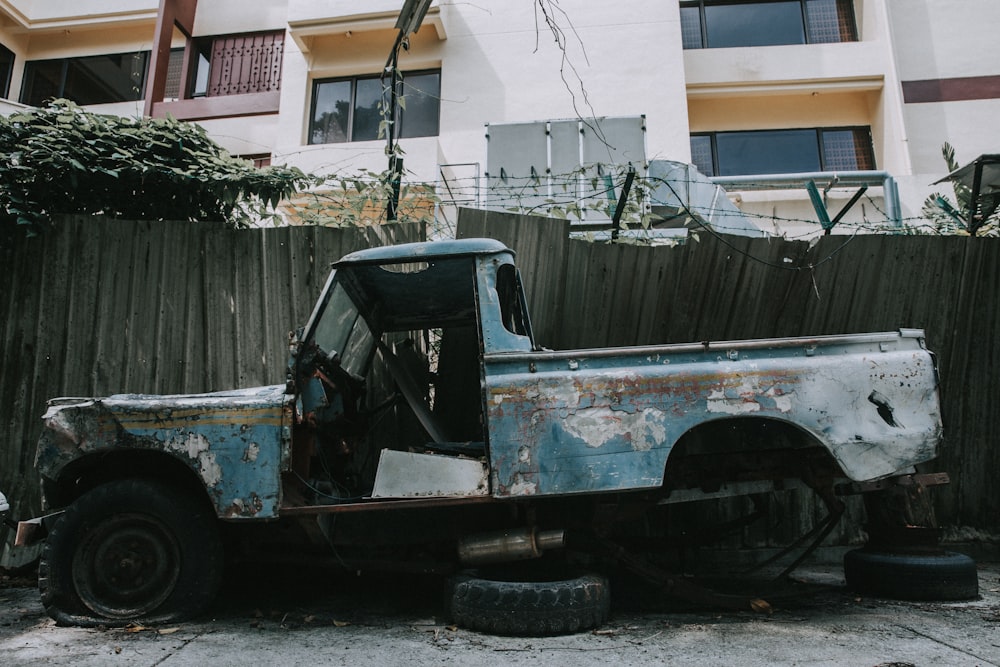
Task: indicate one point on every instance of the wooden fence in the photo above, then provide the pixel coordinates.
(104, 306)
(726, 287)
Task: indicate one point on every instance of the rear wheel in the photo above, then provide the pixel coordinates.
(942, 575)
(495, 604)
(130, 550)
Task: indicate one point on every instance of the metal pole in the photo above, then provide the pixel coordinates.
(616, 221)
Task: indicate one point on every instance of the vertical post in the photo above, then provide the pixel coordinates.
(622, 198)
(975, 220)
(395, 162)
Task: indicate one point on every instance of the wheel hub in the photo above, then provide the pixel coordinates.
(127, 566)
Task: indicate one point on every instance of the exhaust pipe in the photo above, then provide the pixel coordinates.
(509, 545)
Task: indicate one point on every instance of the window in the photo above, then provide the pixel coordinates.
(727, 23)
(348, 109)
(6, 69)
(88, 80)
(783, 151)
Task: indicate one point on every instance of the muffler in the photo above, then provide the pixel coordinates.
(509, 545)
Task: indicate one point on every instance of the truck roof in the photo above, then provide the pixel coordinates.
(422, 251)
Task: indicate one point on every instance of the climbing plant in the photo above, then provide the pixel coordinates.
(952, 217)
(62, 159)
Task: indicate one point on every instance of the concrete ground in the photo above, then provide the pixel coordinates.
(381, 620)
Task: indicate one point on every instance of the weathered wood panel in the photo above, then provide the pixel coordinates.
(97, 306)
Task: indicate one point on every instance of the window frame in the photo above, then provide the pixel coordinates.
(821, 151)
(353, 81)
(803, 13)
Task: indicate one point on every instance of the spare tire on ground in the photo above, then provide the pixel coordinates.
(940, 575)
(494, 603)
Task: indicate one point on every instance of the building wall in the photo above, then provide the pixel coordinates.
(500, 63)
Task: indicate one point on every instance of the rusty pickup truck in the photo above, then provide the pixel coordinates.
(421, 425)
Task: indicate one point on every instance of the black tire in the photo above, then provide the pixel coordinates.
(528, 608)
(130, 551)
(942, 575)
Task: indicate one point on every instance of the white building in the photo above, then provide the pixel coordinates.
(744, 90)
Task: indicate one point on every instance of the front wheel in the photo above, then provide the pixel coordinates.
(130, 550)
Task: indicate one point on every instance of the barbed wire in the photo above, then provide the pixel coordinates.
(594, 198)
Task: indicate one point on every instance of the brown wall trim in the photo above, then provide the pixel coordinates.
(952, 90)
(224, 106)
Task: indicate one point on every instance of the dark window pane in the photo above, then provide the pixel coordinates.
(421, 116)
(754, 24)
(830, 21)
(847, 150)
(367, 117)
(42, 81)
(104, 79)
(767, 152)
(701, 154)
(331, 112)
(6, 69)
(691, 27)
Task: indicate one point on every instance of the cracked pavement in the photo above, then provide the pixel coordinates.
(269, 616)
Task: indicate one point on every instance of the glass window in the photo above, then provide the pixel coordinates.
(337, 322)
(767, 152)
(331, 112)
(6, 69)
(830, 21)
(783, 151)
(422, 93)
(754, 24)
(701, 153)
(691, 27)
(348, 109)
(87, 80)
(736, 23)
(848, 150)
(367, 95)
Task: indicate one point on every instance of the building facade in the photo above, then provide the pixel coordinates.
(760, 95)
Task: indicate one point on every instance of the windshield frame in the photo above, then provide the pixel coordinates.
(352, 340)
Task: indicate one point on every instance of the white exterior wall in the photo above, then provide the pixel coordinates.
(499, 64)
(946, 39)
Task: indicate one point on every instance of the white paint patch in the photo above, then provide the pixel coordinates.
(564, 393)
(523, 489)
(745, 398)
(251, 452)
(196, 445)
(598, 426)
(192, 445)
(782, 401)
(210, 471)
(741, 404)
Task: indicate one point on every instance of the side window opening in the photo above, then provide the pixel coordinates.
(513, 312)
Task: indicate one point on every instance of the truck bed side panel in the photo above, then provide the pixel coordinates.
(590, 421)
